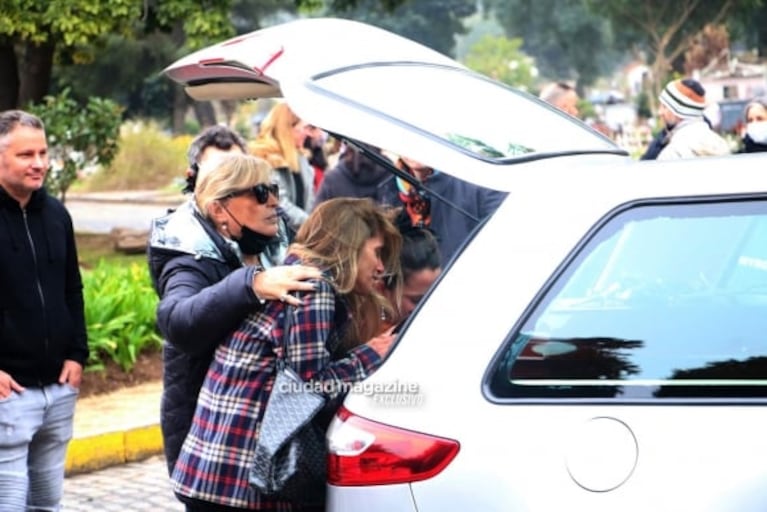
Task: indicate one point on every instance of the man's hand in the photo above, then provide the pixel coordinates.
(7, 384)
(71, 373)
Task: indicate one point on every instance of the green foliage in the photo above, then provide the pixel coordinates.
(79, 136)
(120, 313)
(643, 105)
(501, 59)
(665, 29)
(111, 71)
(204, 22)
(433, 23)
(70, 22)
(148, 158)
(566, 40)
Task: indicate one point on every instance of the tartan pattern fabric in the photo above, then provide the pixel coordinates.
(219, 450)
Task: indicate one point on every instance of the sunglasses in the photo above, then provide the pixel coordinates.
(260, 192)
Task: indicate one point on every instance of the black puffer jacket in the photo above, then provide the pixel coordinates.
(42, 321)
(205, 293)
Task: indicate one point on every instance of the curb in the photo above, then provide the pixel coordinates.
(100, 451)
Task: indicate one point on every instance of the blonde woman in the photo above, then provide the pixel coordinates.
(280, 142)
(355, 245)
(204, 264)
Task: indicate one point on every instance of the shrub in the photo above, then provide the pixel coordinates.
(79, 136)
(148, 159)
(120, 313)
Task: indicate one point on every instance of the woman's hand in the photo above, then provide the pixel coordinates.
(383, 342)
(276, 283)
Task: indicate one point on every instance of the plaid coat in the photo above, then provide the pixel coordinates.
(218, 451)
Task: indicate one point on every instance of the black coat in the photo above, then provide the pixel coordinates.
(356, 175)
(205, 293)
(42, 321)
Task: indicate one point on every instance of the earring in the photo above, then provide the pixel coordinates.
(224, 226)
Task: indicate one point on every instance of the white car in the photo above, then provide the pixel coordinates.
(598, 344)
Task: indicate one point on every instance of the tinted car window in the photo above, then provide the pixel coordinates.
(663, 302)
(480, 116)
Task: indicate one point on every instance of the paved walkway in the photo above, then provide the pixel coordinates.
(114, 461)
(140, 485)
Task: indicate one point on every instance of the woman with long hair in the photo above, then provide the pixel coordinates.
(280, 142)
(355, 245)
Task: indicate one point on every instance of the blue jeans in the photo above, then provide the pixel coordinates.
(35, 428)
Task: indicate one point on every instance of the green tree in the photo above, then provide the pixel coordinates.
(34, 33)
(433, 23)
(666, 28)
(31, 31)
(500, 58)
(566, 40)
(79, 136)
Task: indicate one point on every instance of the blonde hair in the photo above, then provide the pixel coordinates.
(233, 174)
(275, 142)
(332, 238)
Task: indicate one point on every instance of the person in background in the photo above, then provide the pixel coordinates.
(656, 144)
(688, 134)
(355, 245)
(355, 175)
(204, 264)
(205, 152)
(43, 339)
(755, 136)
(421, 265)
(449, 225)
(314, 144)
(281, 143)
(562, 96)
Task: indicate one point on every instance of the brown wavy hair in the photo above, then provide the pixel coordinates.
(332, 238)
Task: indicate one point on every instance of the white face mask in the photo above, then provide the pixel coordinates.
(757, 130)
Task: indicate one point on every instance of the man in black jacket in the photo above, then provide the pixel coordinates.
(43, 341)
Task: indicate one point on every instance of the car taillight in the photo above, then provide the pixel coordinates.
(365, 452)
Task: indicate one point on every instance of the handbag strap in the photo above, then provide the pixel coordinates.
(282, 360)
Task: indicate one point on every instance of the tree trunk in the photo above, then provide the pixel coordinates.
(206, 114)
(35, 76)
(229, 108)
(180, 105)
(9, 85)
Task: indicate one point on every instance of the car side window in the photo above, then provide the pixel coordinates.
(663, 301)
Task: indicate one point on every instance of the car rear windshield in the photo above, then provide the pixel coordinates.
(464, 109)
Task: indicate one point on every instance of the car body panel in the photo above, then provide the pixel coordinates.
(376, 499)
(454, 331)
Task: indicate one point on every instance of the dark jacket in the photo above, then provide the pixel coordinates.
(749, 146)
(355, 175)
(656, 145)
(205, 292)
(451, 226)
(41, 291)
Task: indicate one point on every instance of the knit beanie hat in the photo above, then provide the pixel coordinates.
(685, 98)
